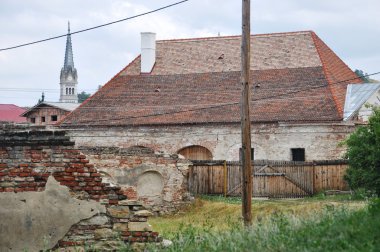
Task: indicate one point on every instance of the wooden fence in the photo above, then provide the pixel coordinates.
(276, 179)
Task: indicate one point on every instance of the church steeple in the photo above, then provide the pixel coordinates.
(69, 77)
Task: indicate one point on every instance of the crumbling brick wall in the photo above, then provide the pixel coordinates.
(157, 179)
(29, 157)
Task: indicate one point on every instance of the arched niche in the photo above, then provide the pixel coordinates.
(150, 185)
(196, 152)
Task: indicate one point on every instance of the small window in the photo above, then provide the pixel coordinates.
(252, 153)
(33, 120)
(54, 118)
(42, 119)
(298, 154)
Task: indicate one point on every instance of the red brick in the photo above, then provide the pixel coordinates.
(126, 233)
(3, 174)
(68, 178)
(93, 183)
(82, 157)
(76, 166)
(137, 234)
(69, 183)
(1, 189)
(3, 165)
(84, 161)
(95, 175)
(30, 189)
(113, 202)
(154, 234)
(24, 174)
(19, 189)
(70, 170)
(24, 165)
(9, 189)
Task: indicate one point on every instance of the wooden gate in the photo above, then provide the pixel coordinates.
(270, 178)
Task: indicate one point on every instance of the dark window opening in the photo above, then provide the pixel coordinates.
(252, 153)
(42, 119)
(33, 120)
(298, 154)
(54, 118)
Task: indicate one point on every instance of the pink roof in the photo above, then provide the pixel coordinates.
(11, 113)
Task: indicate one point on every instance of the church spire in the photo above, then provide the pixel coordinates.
(69, 77)
(69, 59)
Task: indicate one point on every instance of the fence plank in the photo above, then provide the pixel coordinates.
(270, 179)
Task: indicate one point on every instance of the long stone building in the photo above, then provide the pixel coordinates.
(182, 96)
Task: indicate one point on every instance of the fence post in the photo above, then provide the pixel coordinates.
(225, 174)
(313, 187)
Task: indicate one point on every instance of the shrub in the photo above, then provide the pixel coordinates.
(364, 156)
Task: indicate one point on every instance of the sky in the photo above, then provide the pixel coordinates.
(351, 28)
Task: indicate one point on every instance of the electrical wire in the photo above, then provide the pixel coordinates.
(219, 105)
(94, 27)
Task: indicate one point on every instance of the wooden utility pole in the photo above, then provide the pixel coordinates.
(245, 119)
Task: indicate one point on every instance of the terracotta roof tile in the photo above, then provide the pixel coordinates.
(198, 81)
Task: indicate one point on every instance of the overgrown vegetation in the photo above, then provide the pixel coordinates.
(363, 153)
(330, 224)
(217, 213)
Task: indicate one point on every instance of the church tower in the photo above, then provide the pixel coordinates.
(69, 76)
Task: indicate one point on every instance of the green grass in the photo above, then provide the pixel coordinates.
(217, 213)
(314, 224)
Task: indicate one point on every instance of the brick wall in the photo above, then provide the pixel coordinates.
(272, 141)
(29, 157)
(131, 168)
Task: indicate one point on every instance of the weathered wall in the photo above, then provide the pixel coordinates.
(38, 220)
(365, 112)
(27, 160)
(159, 180)
(271, 141)
(47, 113)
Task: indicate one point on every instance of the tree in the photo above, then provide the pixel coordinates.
(363, 154)
(362, 75)
(83, 96)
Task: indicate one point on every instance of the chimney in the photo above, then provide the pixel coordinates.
(148, 51)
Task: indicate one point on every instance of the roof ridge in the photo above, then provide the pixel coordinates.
(314, 37)
(321, 48)
(276, 34)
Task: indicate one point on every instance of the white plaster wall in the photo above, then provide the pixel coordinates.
(365, 112)
(271, 141)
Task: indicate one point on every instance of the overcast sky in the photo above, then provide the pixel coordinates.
(350, 27)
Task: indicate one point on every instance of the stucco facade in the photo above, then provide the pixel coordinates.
(270, 141)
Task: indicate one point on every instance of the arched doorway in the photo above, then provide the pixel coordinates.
(196, 152)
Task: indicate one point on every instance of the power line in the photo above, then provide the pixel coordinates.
(55, 90)
(95, 27)
(225, 104)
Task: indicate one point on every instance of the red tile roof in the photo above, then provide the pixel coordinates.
(198, 81)
(11, 113)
